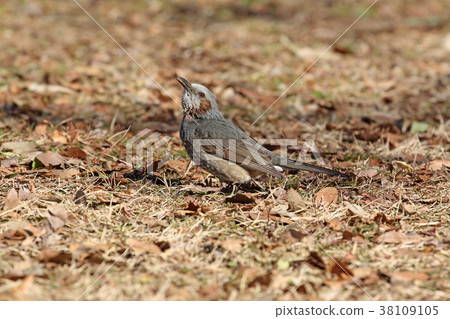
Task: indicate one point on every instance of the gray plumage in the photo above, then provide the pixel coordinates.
(223, 149)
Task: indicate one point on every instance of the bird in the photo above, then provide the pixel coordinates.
(223, 149)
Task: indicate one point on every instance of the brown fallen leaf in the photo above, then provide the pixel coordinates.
(292, 235)
(240, 199)
(12, 200)
(262, 280)
(196, 207)
(56, 218)
(403, 166)
(48, 255)
(295, 200)
(10, 162)
(316, 260)
(19, 148)
(58, 137)
(436, 164)
(80, 197)
(75, 152)
(40, 129)
(346, 235)
(371, 172)
(327, 196)
(50, 159)
(142, 246)
(339, 268)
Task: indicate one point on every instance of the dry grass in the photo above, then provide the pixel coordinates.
(378, 103)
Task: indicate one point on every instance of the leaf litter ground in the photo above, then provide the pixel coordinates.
(376, 106)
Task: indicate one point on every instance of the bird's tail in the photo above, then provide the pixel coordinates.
(289, 164)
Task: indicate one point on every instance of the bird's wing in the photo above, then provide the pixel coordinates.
(242, 152)
(223, 139)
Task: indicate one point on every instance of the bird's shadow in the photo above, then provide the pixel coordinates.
(206, 187)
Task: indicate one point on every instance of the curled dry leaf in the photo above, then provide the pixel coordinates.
(403, 166)
(327, 196)
(12, 200)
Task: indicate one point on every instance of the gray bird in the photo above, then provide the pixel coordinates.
(223, 149)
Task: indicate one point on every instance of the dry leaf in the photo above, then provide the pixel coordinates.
(403, 166)
(80, 197)
(339, 268)
(436, 164)
(75, 152)
(48, 255)
(142, 246)
(12, 200)
(10, 162)
(371, 172)
(316, 260)
(50, 159)
(295, 200)
(240, 199)
(56, 217)
(40, 129)
(327, 196)
(58, 137)
(292, 235)
(19, 147)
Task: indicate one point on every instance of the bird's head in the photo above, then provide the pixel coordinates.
(198, 101)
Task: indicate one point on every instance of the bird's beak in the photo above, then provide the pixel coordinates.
(185, 84)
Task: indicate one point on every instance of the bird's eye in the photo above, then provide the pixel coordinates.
(201, 94)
